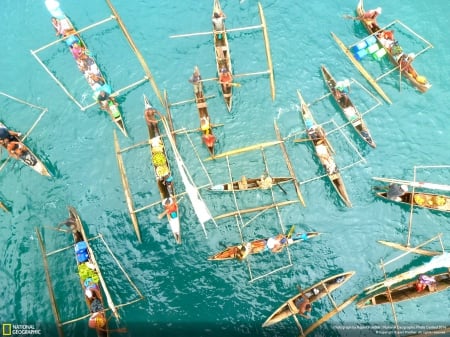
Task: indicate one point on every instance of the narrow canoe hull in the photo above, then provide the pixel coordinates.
(162, 169)
(404, 292)
(258, 246)
(223, 57)
(349, 110)
(423, 87)
(323, 287)
(29, 158)
(78, 236)
(318, 137)
(111, 107)
(252, 184)
(434, 202)
(208, 137)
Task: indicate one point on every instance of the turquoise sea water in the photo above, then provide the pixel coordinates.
(186, 295)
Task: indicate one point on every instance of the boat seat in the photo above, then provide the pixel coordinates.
(357, 122)
(226, 95)
(201, 105)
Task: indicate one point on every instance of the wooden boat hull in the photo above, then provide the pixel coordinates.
(349, 110)
(208, 136)
(30, 159)
(252, 184)
(259, 246)
(111, 107)
(404, 292)
(162, 169)
(333, 175)
(324, 287)
(223, 57)
(78, 236)
(423, 87)
(435, 202)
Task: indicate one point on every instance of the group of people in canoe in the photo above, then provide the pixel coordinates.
(86, 64)
(386, 38)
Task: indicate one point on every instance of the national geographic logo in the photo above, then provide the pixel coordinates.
(9, 329)
(6, 329)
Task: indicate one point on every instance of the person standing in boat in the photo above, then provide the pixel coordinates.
(218, 20)
(150, 119)
(196, 80)
(371, 18)
(396, 191)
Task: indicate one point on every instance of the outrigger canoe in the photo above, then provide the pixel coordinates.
(324, 151)
(435, 202)
(404, 292)
(257, 246)
(246, 184)
(86, 63)
(28, 157)
(223, 57)
(350, 111)
(89, 277)
(420, 82)
(163, 176)
(314, 293)
(208, 136)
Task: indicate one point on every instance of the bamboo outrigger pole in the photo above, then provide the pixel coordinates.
(255, 209)
(49, 285)
(126, 188)
(361, 69)
(268, 55)
(137, 52)
(289, 164)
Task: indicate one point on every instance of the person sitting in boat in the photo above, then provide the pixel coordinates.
(243, 250)
(94, 80)
(341, 91)
(204, 123)
(10, 135)
(303, 305)
(371, 18)
(77, 51)
(171, 207)
(196, 79)
(218, 21)
(225, 79)
(324, 155)
(277, 243)
(265, 182)
(168, 181)
(103, 99)
(209, 139)
(396, 191)
(425, 281)
(404, 63)
(97, 320)
(386, 37)
(62, 27)
(15, 149)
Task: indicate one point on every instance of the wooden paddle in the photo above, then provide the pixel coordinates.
(347, 16)
(291, 231)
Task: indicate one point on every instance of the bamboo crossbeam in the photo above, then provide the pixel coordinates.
(256, 209)
(77, 32)
(57, 81)
(252, 74)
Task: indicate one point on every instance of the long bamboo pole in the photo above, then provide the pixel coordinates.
(268, 54)
(137, 52)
